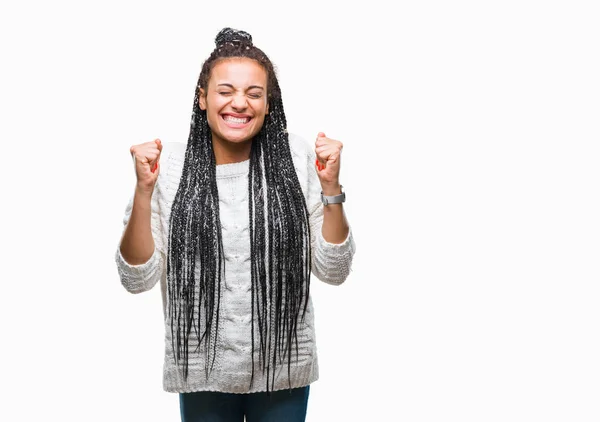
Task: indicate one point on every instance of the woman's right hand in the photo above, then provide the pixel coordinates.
(146, 157)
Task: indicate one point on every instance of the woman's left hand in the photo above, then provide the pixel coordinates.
(329, 153)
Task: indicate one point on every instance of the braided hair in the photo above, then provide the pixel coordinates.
(279, 233)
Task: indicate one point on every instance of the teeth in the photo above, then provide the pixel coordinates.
(236, 119)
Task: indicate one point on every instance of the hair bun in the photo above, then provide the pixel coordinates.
(229, 35)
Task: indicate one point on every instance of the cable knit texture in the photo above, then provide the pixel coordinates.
(331, 263)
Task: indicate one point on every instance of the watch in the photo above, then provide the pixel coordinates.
(335, 199)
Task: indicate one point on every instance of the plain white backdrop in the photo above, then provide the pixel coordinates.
(471, 133)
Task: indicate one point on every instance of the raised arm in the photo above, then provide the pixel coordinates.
(139, 263)
(328, 151)
(333, 243)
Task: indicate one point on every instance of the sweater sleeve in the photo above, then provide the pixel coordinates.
(331, 262)
(142, 277)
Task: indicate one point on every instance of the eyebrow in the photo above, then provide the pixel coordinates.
(250, 87)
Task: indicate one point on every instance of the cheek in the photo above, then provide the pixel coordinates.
(212, 114)
(263, 107)
(261, 114)
(215, 102)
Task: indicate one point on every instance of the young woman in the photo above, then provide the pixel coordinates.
(232, 225)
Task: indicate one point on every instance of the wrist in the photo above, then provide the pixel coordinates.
(330, 189)
(143, 193)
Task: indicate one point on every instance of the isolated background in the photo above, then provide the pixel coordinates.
(471, 171)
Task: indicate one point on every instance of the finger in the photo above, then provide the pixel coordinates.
(318, 165)
(326, 142)
(324, 148)
(321, 156)
(324, 153)
(158, 144)
(150, 148)
(147, 157)
(321, 162)
(153, 158)
(321, 138)
(153, 154)
(320, 142)
(144, 150)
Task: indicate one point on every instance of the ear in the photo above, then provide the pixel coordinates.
(202, 99)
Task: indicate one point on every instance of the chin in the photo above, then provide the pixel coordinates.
(238, 138)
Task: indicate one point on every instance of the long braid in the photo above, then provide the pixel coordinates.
(195, 232)
(291, 266)
(279, 233)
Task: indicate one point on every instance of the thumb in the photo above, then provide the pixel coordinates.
(320, 135)
(154, 167)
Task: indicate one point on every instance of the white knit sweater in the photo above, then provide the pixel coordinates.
(331, 263)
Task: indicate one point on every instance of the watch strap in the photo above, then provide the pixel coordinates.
(335, 199)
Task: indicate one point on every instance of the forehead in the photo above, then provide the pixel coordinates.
(239, 71)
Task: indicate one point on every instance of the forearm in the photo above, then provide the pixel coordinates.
(335, 226)
(137, 243)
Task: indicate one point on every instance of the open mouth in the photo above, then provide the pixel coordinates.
(235, 120)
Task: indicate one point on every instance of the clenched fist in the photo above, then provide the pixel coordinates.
(329, 153)
(146, 157)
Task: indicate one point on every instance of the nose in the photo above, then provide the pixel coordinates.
(239, 102)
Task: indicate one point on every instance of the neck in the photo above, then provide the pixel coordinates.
(227, 153)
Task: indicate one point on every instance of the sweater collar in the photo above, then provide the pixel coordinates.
(233, 169)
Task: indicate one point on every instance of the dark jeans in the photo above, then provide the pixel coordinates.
(279, 406)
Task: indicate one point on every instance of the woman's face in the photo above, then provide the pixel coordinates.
(235, 100)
